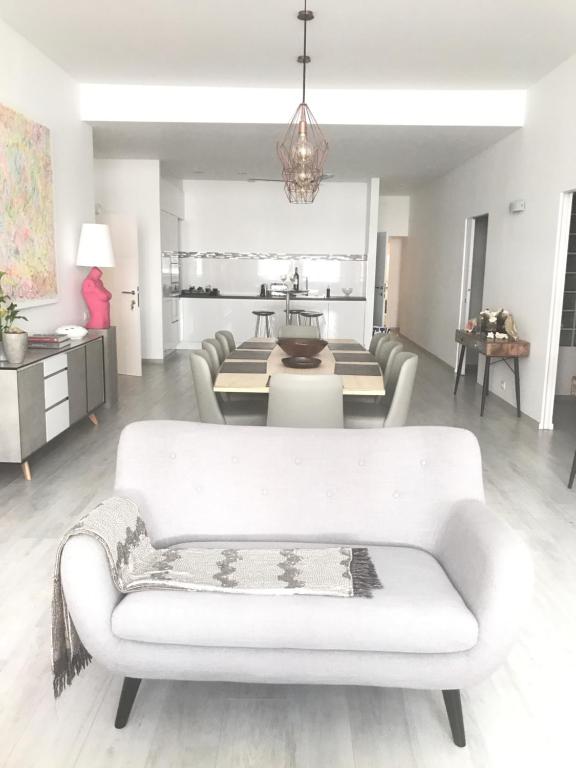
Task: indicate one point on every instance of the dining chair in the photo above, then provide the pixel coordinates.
(375, 340)
(214, 348)
(298, 332)
(210, 409)
(391, 410)
(386, 352)
(226, 339)
(297, 400)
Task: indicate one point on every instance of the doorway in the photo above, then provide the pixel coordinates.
(473, 269)
(379, 313)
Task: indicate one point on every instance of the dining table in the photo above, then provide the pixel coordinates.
(249, 367)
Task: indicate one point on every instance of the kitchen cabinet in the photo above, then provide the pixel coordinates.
(202, 317)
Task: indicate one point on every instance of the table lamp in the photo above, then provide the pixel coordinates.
(95, 250)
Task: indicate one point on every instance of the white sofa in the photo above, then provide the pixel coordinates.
(456, 577)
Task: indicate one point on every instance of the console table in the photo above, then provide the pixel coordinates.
(50, 391)
(493, 350)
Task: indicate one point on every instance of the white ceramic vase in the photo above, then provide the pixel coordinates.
(15, 347)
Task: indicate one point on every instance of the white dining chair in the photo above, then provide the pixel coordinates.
(386, 352)
(210, 409)
(298, 332)
(376, 339)
(226, 339)
(215, 350)
(391, 410)
(309, 400)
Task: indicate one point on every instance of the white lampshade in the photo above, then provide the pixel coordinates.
(95, 247)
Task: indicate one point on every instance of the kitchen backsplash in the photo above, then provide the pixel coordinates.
(245, 275)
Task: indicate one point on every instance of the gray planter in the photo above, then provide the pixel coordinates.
(15, 347)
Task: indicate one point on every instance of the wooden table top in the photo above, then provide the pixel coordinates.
(249, 367)
(493, 347)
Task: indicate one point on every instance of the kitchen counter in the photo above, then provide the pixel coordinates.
(271, 298)
(341, 317)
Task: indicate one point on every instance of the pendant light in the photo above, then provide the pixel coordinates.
(303, 149)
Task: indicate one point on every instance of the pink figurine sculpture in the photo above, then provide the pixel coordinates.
(97, 299)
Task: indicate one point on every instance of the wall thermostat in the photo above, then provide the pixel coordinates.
(517, 206)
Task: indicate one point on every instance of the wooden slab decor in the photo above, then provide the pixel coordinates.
(361, 374)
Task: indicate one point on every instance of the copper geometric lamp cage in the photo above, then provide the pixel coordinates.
(303, 149)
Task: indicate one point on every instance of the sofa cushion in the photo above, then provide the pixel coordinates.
(417, 611)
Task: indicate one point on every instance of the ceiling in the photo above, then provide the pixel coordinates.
(353, 43)
(403, 157)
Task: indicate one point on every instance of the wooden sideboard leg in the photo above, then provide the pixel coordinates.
(459, 371)
(517, 384)
(26, 471)
(93, 418)
(485, 384)
(453, 704)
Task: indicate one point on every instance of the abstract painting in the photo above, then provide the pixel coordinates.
(26, 210)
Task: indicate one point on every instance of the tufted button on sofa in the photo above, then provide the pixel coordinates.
(456, 578)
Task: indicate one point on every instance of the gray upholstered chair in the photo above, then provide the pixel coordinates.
(375, 340)
(210, 409)
(298, 332)
(393, 409)
(227, 341)
(305, 401)
(386, 351)
(214, 348)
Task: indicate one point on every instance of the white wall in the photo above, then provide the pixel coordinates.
(133, 187)
(395, 246)
(536, 163)
(33, 85)
(245, 216)
(394, 215)
(172, 197)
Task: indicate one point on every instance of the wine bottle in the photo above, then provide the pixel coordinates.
(296, 280)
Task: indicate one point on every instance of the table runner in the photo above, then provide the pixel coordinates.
(136, 565)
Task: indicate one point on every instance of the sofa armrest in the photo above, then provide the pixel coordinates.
(491, 567)
(91, 596)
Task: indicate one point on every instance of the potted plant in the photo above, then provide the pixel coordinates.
(14, 339)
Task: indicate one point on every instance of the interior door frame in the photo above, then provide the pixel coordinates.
(555, 314)
(466, 279)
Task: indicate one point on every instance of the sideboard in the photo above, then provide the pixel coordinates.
(50, 391)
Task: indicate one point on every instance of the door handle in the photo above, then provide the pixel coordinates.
(131, 293)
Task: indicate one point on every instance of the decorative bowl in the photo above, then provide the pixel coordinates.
(347, 291)
(302, 347)
(301, 362)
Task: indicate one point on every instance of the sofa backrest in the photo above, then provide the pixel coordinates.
(206, 481)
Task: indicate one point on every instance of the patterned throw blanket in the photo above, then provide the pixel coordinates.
(136, 565)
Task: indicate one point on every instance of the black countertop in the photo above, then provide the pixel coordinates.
(270, 298)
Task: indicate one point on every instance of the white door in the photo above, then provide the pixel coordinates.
(380, 281)
(123, 281)
(170, 243)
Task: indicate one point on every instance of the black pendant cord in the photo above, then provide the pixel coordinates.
(304, 57)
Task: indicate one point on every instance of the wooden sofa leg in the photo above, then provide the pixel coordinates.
(453, 704)
(129, 690)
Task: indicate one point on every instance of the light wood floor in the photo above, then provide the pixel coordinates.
(523, 716)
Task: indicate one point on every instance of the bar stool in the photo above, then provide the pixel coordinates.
(263, 322)
(294, 317)
(311, 318)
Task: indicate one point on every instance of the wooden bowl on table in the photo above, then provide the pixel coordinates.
(302, 347)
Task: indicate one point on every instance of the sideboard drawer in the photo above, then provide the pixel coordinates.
(55, 363)
(57, 420)
(55, 389)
